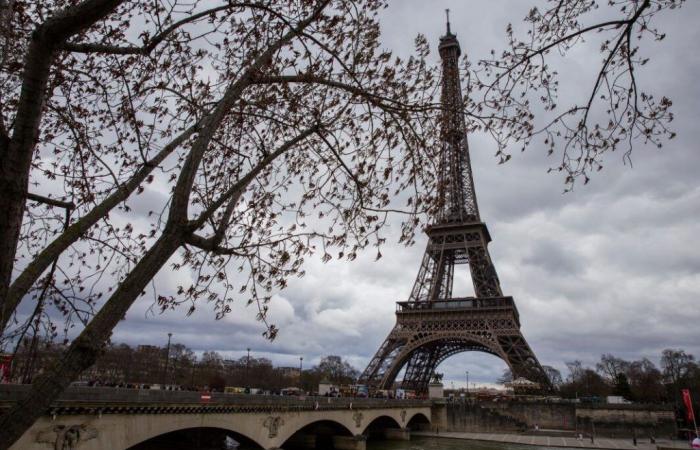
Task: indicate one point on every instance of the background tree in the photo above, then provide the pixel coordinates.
(335, 370)
(610, 367)
(646, 382)
(583, 382)
(621, 387)
(506, 377)
(180, 366)
(554, 376)
(679, 371)
(331, 368)
(676, 365)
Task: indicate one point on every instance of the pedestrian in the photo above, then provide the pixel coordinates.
(580, 437)
(696, 443)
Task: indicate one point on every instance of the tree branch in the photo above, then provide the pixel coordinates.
(178, 208)
(41, 262)
(50, 201)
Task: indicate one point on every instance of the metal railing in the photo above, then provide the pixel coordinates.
(10, 393)
(458, 303)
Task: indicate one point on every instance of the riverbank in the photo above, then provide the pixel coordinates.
(557, 441)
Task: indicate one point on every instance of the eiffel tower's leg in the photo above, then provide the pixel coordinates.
(383, 360)
(424, 280)
(522, 360)
(420, 368)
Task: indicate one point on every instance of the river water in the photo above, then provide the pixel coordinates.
(428, 443)
(416, 443)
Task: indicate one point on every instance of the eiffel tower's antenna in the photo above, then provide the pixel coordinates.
(447, 12)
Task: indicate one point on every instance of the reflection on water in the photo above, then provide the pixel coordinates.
(416, 443)
(426, 443)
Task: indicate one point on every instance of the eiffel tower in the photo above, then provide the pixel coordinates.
(433, 324)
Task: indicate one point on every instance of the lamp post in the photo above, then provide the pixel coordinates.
(247, 369)
(467, 382)
(301, 361)
(167, 361)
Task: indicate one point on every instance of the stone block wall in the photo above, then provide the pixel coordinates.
(618, 421)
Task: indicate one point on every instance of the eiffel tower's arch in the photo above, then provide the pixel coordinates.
(435, 349)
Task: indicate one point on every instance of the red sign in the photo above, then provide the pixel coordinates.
(205, 397)
(688, 404)
(5, 364)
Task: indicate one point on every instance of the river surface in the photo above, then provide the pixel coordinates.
(428, 443)
(416, 443)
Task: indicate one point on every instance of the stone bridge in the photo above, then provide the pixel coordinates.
(114, 418)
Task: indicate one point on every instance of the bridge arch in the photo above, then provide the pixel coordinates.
(208, 436)
(377, 426)
(315, 434)
(418, 421)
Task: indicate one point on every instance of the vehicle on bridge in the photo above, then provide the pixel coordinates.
(291, 391)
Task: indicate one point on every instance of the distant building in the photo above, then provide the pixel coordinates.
(290, 372)
(230, 363)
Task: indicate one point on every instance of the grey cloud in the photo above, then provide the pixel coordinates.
(612, 267)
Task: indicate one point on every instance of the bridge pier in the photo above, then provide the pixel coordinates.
(397, 434)
(438, 416)
(357, 442)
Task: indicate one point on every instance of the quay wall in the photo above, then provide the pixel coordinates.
(565, 418)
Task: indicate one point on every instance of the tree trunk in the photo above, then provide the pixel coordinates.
(15, 162)
(16, 154)
(85, 349)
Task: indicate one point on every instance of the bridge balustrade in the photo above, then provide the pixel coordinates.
(91, 397)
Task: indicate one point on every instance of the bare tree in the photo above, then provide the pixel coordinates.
(554, 376)
(235, 139)
(676, 364)
(610, 367)
(646, 382)
(506, 377)
(270, 132)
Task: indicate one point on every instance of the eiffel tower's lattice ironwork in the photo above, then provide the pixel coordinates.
(433, 325)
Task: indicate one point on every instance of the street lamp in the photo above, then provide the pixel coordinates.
(467, 382)
(167, 360)
(301, 361)
(247, 367)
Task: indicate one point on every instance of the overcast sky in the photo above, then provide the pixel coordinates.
(612, 267)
